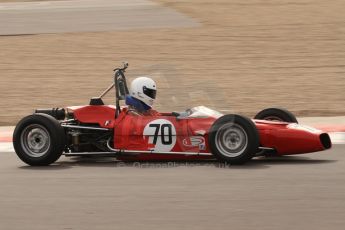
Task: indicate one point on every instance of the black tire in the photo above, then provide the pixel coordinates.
(39, 139)
(234, 128)
(276, 114)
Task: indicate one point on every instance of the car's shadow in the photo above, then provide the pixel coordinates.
(286, 160)
(256, 163)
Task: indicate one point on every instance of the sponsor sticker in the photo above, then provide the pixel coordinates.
(195, 141)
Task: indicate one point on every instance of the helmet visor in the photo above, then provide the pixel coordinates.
(150, 92)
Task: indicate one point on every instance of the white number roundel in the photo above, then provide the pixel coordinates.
(161, 134)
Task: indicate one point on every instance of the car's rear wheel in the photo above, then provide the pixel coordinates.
(276, 114)
(233, 139)
(39, 139)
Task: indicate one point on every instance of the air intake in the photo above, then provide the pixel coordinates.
(325, 140)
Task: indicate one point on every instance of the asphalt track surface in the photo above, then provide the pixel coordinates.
(299, 192)
(87, 16)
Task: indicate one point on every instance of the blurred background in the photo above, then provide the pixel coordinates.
(231, 55)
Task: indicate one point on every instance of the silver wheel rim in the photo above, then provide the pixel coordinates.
(35, 140)
(231, 140)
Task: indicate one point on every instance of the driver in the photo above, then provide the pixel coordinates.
(142, 95)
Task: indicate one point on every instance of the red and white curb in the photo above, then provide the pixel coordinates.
(6, 139)
(334, 126)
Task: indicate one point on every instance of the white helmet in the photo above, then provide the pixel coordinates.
(144, 89)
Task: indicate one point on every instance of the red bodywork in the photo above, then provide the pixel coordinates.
(164, 133)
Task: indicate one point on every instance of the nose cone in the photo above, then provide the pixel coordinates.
(294, 139)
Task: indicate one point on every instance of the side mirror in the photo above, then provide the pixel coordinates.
(175, 114)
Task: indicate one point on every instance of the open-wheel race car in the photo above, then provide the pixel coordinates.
(197, 133)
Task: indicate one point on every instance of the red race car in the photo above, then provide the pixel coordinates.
(197, 133)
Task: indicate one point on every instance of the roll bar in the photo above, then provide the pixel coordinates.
(121, 89)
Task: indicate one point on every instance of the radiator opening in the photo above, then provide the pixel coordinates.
(325, 140)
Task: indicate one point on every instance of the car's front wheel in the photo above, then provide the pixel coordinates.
(276, 114)
(233, 139)
(39, 139)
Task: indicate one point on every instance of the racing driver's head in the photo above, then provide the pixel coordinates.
(144, 89)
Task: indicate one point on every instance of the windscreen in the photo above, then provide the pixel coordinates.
(202, 111)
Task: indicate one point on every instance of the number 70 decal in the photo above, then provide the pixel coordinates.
(162, 134)
(164, 131)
